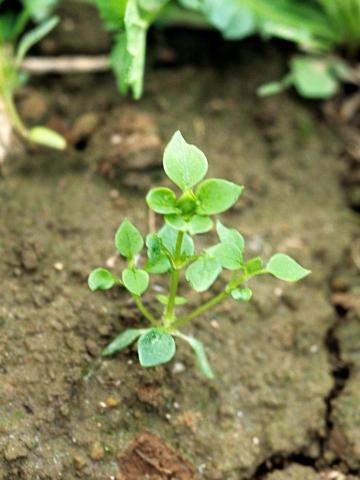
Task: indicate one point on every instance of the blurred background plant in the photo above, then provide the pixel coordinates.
(14, 45)
(327, 31)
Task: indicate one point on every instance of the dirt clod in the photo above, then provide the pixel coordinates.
(149, 456)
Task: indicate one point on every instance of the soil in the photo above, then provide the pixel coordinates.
(284, 404)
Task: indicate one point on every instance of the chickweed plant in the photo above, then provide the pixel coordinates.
(171, 251)
(14, 45)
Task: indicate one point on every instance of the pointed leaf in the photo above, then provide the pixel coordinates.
(162, 200)
(203, 272)
(199, 351)
(230, 235)
(135, 280)
(157, 261)
(286, 268)
(216, 195)
(184, 164)
(128, 239)
(123, 340)
(242, 294)
(228, 255)
(155, 348)
(101, 279)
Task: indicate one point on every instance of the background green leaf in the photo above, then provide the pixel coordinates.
(128, 239)
(101, 279)
(184, 164)
(123, 340)
(286, 268)
(135, 280)
(216, 195)
(155, 348)
(203, 272)
(232, 17)
(46, 136)
(168, 237)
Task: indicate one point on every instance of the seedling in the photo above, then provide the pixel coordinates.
(171, 251)
(13, 49)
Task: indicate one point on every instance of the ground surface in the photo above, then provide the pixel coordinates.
(285, 403)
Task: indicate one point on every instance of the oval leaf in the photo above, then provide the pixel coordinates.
(46, 136)
(155, 348)
(216, 195)
(101, 279)
(123, 340)
(203, 272)
(230, 235)
(184, 164)
(162, 200)
(286, 268)
(128, 239)
(136, 281)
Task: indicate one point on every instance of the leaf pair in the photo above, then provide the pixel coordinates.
(186, 166)
(156, 347)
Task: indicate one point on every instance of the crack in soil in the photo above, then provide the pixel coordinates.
(341, 373)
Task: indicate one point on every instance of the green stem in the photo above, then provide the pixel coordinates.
(145, 311)
(211, 303)
(174, 280)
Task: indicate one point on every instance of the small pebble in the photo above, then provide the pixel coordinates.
(215, 324)
(112, 402)
(79, 462)
(59, 266)
(15, 449)
(255, 441)
(314, 348)
(97, 452)
(178, 367)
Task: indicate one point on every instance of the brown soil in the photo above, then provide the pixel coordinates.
(280, 397)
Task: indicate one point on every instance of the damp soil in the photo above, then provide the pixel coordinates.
(285, 401)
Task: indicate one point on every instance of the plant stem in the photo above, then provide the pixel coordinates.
(145, 311)
(232, 285)
(174, 280)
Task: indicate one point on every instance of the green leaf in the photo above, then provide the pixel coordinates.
(162, 200)
(312, 77)
(112, 13)
(228, 255)
(184, 164)
(164, 300)
(286, 268)
(101, 279)
(271, 88)
(216, 195)
(254, 266)
(46, 136)
(128, 239)
(234, 19)
(199, 351)
(197, 223)
(155, 348)
(34, 36)
(135, 280)
(203, 272)
(128, 53)
(168, 237)
(123, 340)
(242, 294)
(157, 260)
(230, 235)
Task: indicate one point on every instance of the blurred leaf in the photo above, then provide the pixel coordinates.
(101, 279)
(199, 351)
(216, 195)
(46, 136)
(128, 239)
(135, 280)
(203, 272)
(123, 340)
(286, 268)
(155, 348)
